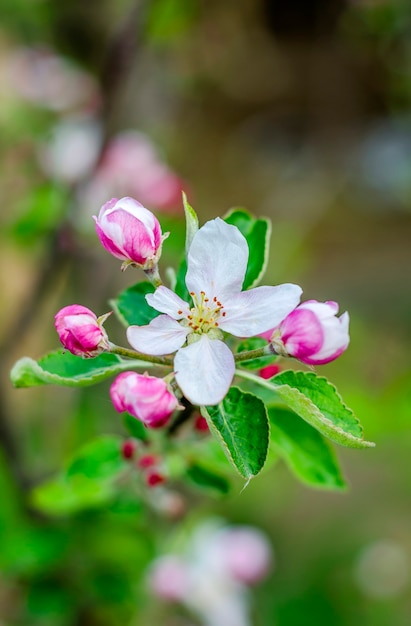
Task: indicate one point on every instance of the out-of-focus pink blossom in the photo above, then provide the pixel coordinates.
(313, 333)
(131, 166)
(80, 331)
(71, 151)
(145, 397)
(211, 576)
(169, 578)
(51, 81)
(130, 232)
(245, 553)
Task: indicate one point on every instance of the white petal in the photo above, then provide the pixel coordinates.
(162, 335)
(253, 312)
(217, 260)
(166, 301)
(204, 371)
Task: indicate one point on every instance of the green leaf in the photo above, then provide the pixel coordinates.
(64, 368)
(242, 425)
(257, 233)
(191, 222)
(88, 481)
(39, 213)
(168, 19)
(61, 496)
(100, 459)
(304, 450)
(181, 287)
(131, 306)
(317, 401)
(135, 427)
(206, 479)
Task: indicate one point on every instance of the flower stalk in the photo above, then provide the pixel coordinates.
(132, 354)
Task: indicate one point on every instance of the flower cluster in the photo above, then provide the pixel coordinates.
(190, 334)
(211, 576)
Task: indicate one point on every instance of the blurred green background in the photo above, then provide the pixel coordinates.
(297, 110)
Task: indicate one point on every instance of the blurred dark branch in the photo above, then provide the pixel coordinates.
(121, 52)
(181, 418)
(62, 247)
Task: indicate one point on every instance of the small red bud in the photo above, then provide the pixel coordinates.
(128, 449)
(269, 371)
(148, 460)
(200, 424)
(154, 478)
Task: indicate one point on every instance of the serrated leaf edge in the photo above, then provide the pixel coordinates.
(31, 366)
(314, 376)
(331, 428)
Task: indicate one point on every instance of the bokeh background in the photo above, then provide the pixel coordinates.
(296, 110)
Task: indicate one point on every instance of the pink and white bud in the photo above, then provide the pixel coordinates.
(130, 232)
(169, 578)
(80, 331)
(245, 553)
(313, 333)
(145, 397)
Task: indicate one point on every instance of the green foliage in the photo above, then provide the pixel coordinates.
(241, 423)
(39, 213)
(191, 222)
(204, 478)
(135, 427)
(131, 306)
(64, 368)
(88, 481)
(317, 401)
(306, 452)
(167, 19)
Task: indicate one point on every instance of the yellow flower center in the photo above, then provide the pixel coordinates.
(204, 315)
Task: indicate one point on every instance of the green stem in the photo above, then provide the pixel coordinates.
(254, 378)
(247, 355)
(167, 361)
(153, 276)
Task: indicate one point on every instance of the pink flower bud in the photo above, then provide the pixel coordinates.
(80, 331)
(145, 397)
(130, 232)
(313, 333)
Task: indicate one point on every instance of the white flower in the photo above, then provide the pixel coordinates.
(216, 265)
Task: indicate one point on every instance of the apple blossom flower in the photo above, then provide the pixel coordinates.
(80, 331)
(216, 265)
(145, 397)
(130, 232)
(313, 333)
